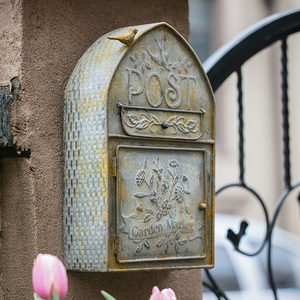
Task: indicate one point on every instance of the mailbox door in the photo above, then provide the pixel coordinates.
(160, 192)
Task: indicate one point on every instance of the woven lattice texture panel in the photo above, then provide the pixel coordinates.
(85, 156)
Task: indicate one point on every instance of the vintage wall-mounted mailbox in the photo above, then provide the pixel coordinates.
(139, 135)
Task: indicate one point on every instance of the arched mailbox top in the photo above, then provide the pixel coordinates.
(155, 82)
(97, 65)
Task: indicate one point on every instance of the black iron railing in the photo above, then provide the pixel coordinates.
(219, 66)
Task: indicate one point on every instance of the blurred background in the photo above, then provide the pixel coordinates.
(213, 23)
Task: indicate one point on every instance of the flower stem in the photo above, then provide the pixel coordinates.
(107, 296)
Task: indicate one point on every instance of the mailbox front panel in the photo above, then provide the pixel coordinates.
(160, 102)
(157, 215)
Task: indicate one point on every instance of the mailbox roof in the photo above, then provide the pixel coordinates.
(104, 56)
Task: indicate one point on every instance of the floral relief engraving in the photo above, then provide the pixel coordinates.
(142, 61)
(162, 194)
(164, 60)
(144, 120)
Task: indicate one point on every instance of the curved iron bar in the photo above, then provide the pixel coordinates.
(280, 203)
(285, 115)
(286, 152)
(241, 126)
(252, 191)
(219, 66)
(231, 56)
(215, 287)
(212, 289)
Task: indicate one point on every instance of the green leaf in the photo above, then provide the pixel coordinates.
(107, 296)
(36, 297)
(55, 296)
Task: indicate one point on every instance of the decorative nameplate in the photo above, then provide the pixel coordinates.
(159, 192)
(165, 123)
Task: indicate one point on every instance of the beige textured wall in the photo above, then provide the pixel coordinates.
(10, 39)
(54, 36)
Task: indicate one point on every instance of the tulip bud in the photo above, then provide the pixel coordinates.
(49, 273)
(165, 294)
(168, 294)
(155, 293)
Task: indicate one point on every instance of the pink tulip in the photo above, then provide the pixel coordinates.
(49, 273)
(165, 294)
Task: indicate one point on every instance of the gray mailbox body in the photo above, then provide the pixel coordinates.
(139, 134)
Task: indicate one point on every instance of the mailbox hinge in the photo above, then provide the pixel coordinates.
(114, 166)
(114, 244)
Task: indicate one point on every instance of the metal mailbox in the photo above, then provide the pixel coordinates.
(139, 130)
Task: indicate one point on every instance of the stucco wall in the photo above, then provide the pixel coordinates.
(10, 38)
(10, 66)
(54, 36)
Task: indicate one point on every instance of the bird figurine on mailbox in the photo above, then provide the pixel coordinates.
(125, 38)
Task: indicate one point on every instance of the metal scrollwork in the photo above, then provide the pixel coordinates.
(145, 120)
(218, 72)
(166, 123)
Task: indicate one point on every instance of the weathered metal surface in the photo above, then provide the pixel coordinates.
(139, 155)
